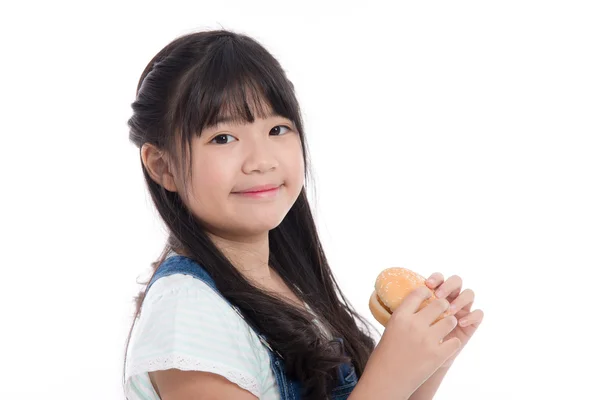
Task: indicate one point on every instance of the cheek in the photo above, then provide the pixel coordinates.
(300, 160)
(211, 179)
(300, 167)
(295, 166)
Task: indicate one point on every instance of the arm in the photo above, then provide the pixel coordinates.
(178, 314)
(427, 390)
(374, 382)
(174, 384)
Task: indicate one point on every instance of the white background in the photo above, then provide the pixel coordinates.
(460, 137)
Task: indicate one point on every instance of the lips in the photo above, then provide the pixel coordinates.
(260, 188)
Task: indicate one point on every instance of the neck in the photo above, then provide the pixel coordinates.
(250, 256)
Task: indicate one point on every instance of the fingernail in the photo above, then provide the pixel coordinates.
(452, 308)
(439, 294)
(464, 322)
(430, 281)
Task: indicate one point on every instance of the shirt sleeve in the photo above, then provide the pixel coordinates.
(185, 324)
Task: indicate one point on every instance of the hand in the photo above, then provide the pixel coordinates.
(411, 349)
(462, 302)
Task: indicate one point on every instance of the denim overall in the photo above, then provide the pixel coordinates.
(288, 389)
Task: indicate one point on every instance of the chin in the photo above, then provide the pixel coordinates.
(260, 221)
(266, 223)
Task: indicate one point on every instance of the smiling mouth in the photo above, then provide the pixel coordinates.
(269, 188)
(260, 191)
(260, 194)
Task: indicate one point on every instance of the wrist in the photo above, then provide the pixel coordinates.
(374, 384)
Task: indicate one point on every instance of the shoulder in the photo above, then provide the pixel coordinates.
(181, 303)
(186, 325)
(179, 284)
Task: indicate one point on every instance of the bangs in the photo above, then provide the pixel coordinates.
(238, 104)
(236, 82)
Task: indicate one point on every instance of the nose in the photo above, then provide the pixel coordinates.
(261, 157)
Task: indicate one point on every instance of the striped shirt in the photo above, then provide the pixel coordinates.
(184, 324)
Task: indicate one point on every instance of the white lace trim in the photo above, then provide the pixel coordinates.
(186, 363)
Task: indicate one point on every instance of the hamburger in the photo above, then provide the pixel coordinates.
(391, 288)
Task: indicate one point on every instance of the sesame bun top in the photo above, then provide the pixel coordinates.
(394, 284)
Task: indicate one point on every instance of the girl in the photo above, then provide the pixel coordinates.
(242, 303)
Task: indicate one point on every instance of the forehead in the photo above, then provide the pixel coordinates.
(238, 119)
(234, 113)
(238, 105)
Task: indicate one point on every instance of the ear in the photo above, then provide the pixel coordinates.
(157, 165)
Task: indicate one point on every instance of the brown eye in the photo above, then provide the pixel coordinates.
(278, 128)
(223, 135)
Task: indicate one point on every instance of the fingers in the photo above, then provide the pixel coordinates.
(451, 286)
(473, 319)
(449, 289)
(413, 301)
(434, 280)
(463, 302)
(450, 300)
(451, 346)
(434, 310)
(444, 326)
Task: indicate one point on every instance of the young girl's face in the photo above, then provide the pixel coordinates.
(229, 158)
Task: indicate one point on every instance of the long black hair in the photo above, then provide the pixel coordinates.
(190, 83)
